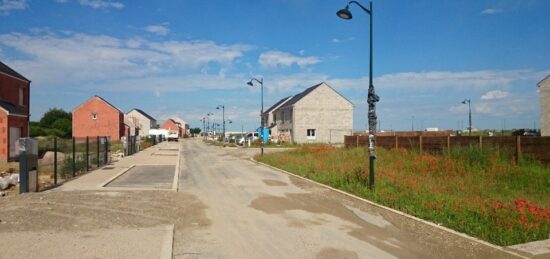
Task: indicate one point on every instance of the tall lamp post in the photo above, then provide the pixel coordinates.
(469, 116)
(372, 98)
(208, 129)
(223, 119)
(203, 125)
(251, 83)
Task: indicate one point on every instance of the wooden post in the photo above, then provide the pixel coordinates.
(518, 148)
(420, 143)
(481, 142)
(396, 142)
(357, 141)
(449, 145)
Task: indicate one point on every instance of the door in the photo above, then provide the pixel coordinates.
(15, 134)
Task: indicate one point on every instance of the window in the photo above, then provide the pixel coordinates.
(275, 117)
(290, 116)
(94, 116)
(21, 96)
(311, 134)
(283, 117)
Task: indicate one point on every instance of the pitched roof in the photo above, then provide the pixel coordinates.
(301, 95)
(144, 114)
(546, 78)
(100, 98)
(277, 104)
(9, 71)
(10, 108)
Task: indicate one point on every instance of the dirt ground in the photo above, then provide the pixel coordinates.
(93, 210)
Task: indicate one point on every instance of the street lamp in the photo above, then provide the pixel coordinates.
(469, 116)
(251, 83)
(203, 126)
(372, 98)
(208, 129)
(223, 119)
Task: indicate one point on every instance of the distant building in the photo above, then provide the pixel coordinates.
(184, 126)
(142, 121)
(14, 110)
(172, 125)
(97, 117)
(319, 114)
(544, 92)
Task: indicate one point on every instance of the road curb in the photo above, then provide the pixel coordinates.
(503, 249)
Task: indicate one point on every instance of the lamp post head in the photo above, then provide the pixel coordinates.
(344, 13)
(466, 101)
(249, 83)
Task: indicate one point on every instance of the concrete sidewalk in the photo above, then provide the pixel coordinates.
(165, 153)
(84, 219)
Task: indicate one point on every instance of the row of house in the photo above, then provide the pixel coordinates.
(97, 117)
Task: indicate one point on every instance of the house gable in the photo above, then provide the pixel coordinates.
(4, 69)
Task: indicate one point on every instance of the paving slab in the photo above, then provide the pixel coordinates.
(152, 242)
(146, 176)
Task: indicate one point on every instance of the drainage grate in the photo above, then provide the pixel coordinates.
(108, 168)
(146, 176)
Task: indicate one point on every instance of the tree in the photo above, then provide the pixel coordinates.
(52, 115)
(65, 126)
(195, 130)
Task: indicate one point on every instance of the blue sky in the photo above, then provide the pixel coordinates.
(183, 58)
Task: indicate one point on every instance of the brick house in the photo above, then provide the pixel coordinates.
(184, 126)
(14, 110)
(142, 121)
(544, 92)
(319, 114)
(171, 124)
(97, 117)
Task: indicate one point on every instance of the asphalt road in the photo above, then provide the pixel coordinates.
(257, 212)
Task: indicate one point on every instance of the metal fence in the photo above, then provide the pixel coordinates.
(63, 159)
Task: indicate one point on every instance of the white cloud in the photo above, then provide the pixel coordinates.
(495, 94)
(196, 53)
(274, 59)
(52, 59)
(6, 6)
(62, 1)
(101, 4)
(489, 11)
(159, 29)
(459, 80)
(337, 40)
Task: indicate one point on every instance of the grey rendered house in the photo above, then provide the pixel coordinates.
(319, 114)
(141, 121)
(544, 92)
(269, 115)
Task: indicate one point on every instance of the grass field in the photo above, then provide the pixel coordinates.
(480, 193)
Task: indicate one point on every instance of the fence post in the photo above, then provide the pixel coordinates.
(106, 152)
(449, 145)
(74, 157)
(55, 160)
(420, 143)
(518, 148)
(396, 142)
(480, 142)
(97, 154)
(87, 153)
(357, 141)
